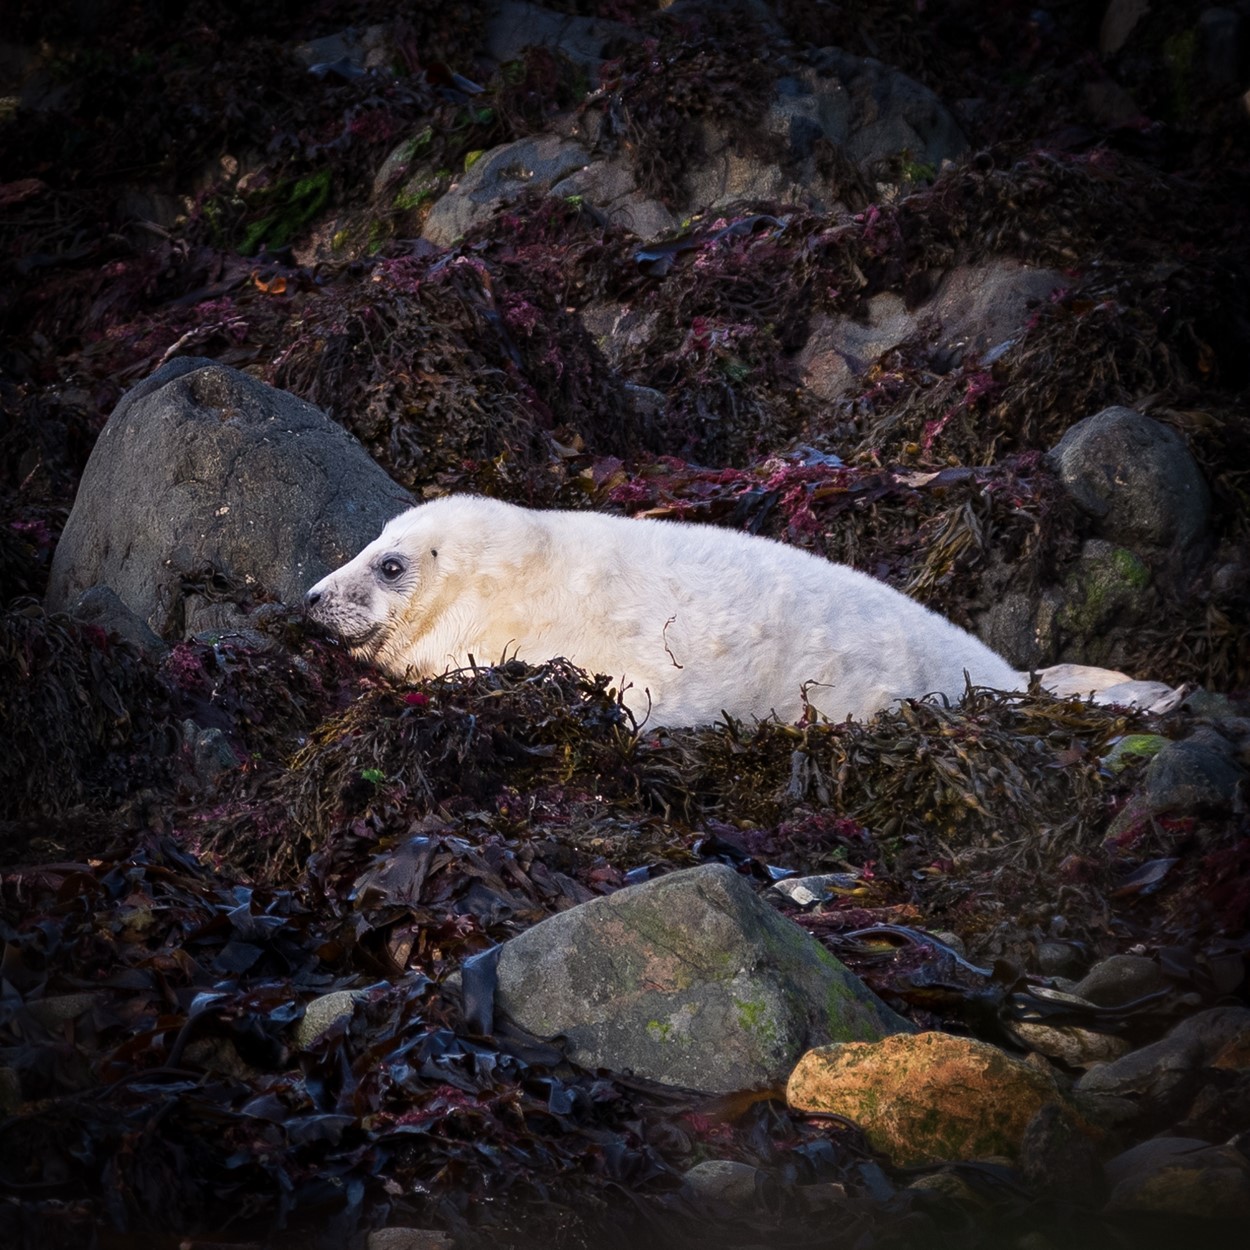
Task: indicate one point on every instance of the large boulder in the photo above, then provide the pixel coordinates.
(1136, 479)
(206, 481)
(689, 980)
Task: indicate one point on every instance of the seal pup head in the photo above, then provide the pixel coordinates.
(369, 602)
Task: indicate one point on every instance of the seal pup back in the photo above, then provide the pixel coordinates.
(689, 620)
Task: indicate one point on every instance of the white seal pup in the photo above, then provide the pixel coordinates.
(690, 621)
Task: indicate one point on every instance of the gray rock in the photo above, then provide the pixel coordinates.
(1210, 705)
(55, 1010)
(609, 187)
(499, 178)
(883, 122)
(839, 349)
(1105, 584)
(620, 332)
(726, 1183)
(976, 308)
(881, 113)
(1109, 104)
(101, 607)
(1181, 1176)
(1058, 959)
(1022, 627)
(1136, 478)
(689, 980)
(1150, 1155)
(515, 26)
(322, 1014)
(1058, 1160)
(980, 308)
(1160, 1077)
(204, 472)
(1199, 771)
(211, 752)
(1121, 979)
(10, 1091)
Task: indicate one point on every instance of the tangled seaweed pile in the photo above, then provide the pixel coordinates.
(419, 826)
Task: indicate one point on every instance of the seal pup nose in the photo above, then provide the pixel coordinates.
(312, 598)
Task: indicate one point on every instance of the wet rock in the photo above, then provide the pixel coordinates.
(323, 1013)
(1198, 771)
(1136, 478)
(1120, 979)
(205, 483)
(100, 606)
(727, 1183)
(1181, 1176)
(927, 1097)
(499, 178)
(1071, 1044)
(690, 980)
(1155, 1083)
(515, 26)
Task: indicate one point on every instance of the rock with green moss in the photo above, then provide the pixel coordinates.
(1106, 583)
(689, 980)
(1132, 749)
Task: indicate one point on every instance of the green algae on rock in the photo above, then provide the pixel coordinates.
(688, 980)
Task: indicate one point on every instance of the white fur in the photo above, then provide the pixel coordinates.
(690, 620)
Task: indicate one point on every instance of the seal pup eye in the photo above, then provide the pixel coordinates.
(391, 568)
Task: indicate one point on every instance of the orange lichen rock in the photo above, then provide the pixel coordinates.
(925, 1097)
